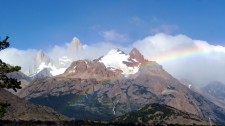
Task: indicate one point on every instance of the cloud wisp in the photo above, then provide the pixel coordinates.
(168, 29)
(137, 21)
(113, 36)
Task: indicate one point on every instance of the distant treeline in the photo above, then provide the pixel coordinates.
(53, 123)
(64, 123)
(50, 123)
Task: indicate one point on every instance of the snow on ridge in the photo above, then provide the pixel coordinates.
(65, 59)
(115, 59)
(53, 70)
(55, 67)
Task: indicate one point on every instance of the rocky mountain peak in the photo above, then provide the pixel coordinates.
(41, 57)
(116, 59)
(135, 54)
(75, 44)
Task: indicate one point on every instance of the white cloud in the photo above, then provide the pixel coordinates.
(75, 50)
(23, 58)
(114, 36)
(69, 49)
(184, 57)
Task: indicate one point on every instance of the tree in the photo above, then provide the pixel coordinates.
(5, 81)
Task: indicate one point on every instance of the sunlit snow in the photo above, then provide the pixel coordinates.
(115, 59)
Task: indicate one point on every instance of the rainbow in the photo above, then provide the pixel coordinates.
(182, 53)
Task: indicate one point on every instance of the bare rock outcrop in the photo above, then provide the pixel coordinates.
(86, 69)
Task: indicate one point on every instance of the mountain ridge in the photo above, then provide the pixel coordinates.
(158, 114)
(102, 93)
(20, 109)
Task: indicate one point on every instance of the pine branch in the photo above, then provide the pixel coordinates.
(4, 44)
(4, 68)
(5, 81)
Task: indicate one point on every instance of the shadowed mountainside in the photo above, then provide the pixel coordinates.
(20, 109)
(157, 114)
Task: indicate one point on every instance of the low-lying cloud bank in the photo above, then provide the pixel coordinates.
(23, 58)
(183, 57)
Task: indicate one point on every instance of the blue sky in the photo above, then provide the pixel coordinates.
(40, 24)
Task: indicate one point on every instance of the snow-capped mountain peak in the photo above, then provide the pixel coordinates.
(58, 64)
(117, 59)
(65, 61)
(43, 62)
(52, 68)
(114, 60)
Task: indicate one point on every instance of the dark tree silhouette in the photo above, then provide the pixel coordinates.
(5, 81)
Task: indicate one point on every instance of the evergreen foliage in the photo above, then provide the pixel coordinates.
(5, 81)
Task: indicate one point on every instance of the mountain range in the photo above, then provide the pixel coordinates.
(45, 65)
(114, 85)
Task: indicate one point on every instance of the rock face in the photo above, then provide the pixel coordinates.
(41, 58)
(59, 86)
(75, 44)
(158, 114)
(102, 89)
(43, 73)
(135, 54)
(20, 109)
(215, 91)
(86, 69)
